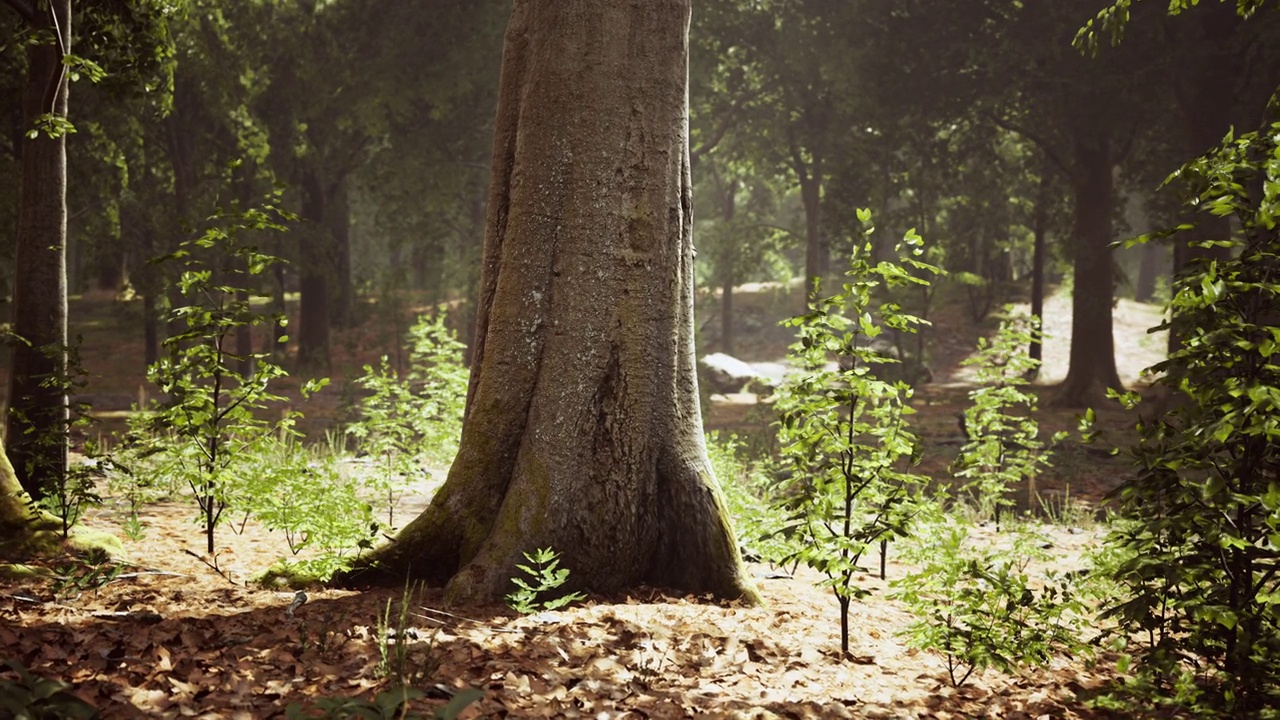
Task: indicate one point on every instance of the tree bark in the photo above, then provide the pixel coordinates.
(728, 273)
(315, 269)
(36, 421)
(338, 219)
(1039, 229)
(1093, 359)
(817, 253)
(582, 429)
(18, 521)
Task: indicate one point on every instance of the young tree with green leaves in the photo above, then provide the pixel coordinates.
(1200, 530)
(1003, 447)
(843, 430)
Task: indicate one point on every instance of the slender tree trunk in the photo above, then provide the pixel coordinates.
(280, 305)
(582, 429)
(729, 210)
(1040, 228)
(1093, 359)
(150, 330)
(817, 253)
(36, 421)
(111, 273)
(338, 218)
(314, 321)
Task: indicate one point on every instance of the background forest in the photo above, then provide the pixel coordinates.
(254, 280)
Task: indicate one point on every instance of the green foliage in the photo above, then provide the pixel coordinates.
(406, 423)
(212, 411)
(398, 656)
(1199, 591)
(843, 431)
(980, 609)
(1113, 19)
(1003, 446)
(31, 697)
(70, 493)
(91, 573)
(545, 576)
(748, 498)
(305, 495)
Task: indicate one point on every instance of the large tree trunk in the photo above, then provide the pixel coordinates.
(36, 421)
(1093, 359)
(582, 428)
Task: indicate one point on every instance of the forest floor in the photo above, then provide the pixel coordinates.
(171, 637)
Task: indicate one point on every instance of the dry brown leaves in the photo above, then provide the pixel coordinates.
(197, 646)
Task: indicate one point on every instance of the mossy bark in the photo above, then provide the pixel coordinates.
(23, 532)
(582, 430)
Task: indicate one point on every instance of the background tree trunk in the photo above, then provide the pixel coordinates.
(582, 429)
(35, 424)
(1093, 356)
(316, 268)
(1040, 228)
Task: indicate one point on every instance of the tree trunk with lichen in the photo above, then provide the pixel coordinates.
(582, 429)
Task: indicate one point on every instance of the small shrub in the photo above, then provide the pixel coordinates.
(545, 577)
(93, 572)
(1199, 585)
(405, 423)
(1003, 447)
(980, 609)
(306, 496)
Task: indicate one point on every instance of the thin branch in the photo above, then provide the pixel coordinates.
(1036, 138)
(27, 12)
(726, 122)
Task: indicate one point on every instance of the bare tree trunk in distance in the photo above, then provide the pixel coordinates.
(1040, 227)
(1093, 355)
(817, 249)
(40, 270)
(728, 274)
(316, 269)
(582, 429)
